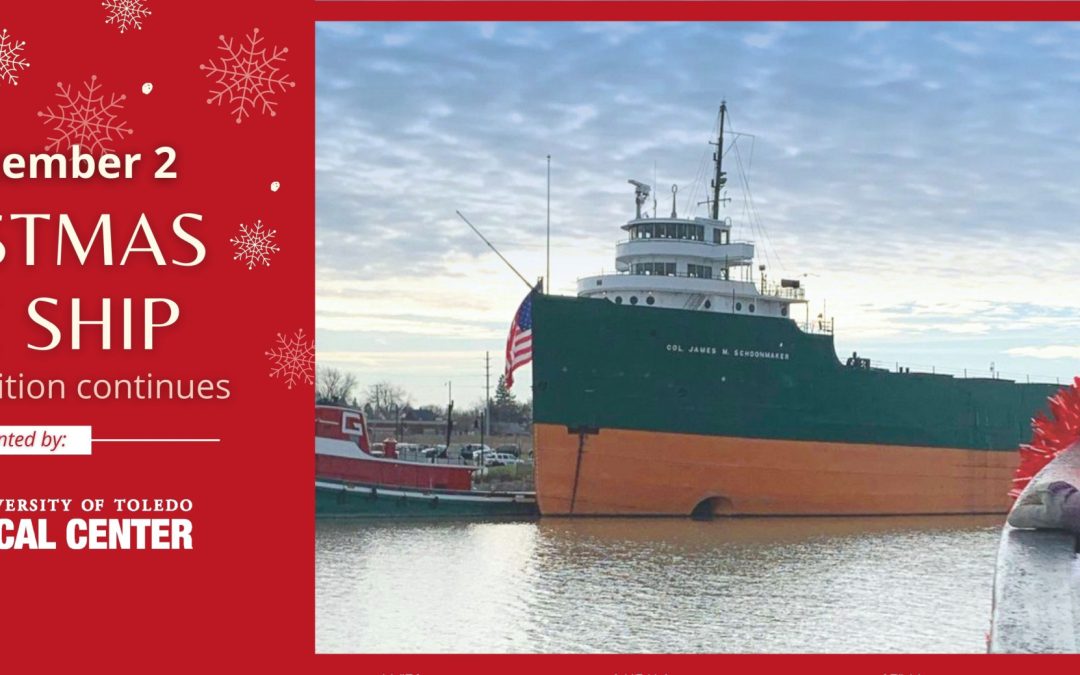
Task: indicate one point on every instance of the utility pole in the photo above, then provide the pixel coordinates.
(485, 430)
(449, 417)
(487, 388)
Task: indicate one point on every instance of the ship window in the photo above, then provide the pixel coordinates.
(650, 300)
(717, 236)
(699, 271)
(599, 282)
(738, 306)
(651, 269)
(618, 299)
(708, 304)
(633, 299)
(783, 311)
(682, 230)
(751, 308)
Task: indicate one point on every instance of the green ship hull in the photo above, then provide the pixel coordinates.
(600, 365)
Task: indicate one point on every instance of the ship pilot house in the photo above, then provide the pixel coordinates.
(689, 263)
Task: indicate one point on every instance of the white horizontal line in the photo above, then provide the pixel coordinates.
(156, 440)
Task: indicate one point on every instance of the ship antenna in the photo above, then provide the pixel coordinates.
(547, 280)
(655, 211)
(721, 178)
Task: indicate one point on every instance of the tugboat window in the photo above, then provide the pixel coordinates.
(650, 300)
(633, 299)
(618, 299)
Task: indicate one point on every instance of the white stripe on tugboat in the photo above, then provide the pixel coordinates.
(486, 497)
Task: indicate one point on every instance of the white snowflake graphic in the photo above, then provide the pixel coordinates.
(126, 13)
(11, 62)
(248, 76)
(85, 119)
(254, 245)
(293, 359)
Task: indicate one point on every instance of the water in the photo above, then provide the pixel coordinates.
(664, 585)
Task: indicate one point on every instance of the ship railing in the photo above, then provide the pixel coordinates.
(417, 456)
(964, 373)
(749, 242)
(630, 273)
(788, 293)
(819, 326)
(772, 290)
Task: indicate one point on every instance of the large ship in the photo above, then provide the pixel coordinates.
(687, 383)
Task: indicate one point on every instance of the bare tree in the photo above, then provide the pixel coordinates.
(385, 399)
(334, 386)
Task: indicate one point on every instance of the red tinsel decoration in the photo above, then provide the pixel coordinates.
(1050, 436)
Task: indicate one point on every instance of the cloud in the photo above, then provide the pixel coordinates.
(1048, 352)
(922, 175)
(766, 38)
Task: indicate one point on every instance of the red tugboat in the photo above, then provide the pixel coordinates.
(350, 481)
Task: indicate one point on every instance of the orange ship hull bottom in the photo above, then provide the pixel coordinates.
(623, 472)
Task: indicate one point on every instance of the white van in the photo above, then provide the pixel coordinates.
(500, 459)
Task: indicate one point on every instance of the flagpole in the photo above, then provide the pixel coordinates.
(547, 283)
(492, 247)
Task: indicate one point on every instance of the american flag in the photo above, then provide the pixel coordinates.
(519, 342)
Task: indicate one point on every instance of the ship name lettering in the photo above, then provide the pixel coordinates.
(758, 354)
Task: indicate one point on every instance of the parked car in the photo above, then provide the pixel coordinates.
(511, 448)
(437, 451)
(472, 450)
(500, 459)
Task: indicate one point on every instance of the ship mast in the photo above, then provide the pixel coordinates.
(721, 178)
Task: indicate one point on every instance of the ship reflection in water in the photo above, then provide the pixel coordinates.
(920, 584)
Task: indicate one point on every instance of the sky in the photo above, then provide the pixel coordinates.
(923, 180)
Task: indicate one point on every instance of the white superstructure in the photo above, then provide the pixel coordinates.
(690, 263)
